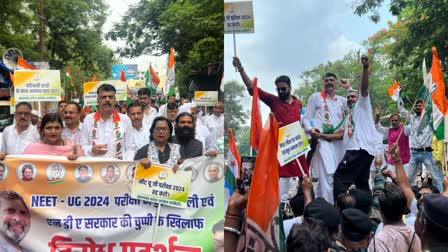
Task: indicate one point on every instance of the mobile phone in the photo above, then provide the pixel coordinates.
(246, 171)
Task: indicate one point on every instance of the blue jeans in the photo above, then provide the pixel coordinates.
(418, 157)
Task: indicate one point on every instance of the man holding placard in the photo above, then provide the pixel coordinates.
(286, 109)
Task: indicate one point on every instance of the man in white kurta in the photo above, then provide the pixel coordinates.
(324, 115)
(106, 132)
(72, 124)
(22, 133)
(215, 122)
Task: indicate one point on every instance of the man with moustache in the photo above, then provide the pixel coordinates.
(172, 110)
(72, 124)
(396, 130)
(149, 112)
(184, 136)
(326, 110)
(15, 221)
(286, 109)
(358, 141)
(139, 130)
(106, 132)
(420, 141)
(19, 135)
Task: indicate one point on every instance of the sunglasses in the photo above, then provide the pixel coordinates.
(282, 89)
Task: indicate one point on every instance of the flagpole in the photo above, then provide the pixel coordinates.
(156, 224)
(234, 48)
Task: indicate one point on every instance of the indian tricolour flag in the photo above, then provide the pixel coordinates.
(68, 76)
(169, 87)
(440, 102)
(232, 168)
(394, 91)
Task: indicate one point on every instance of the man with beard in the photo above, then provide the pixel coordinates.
(392, 135)
(358, 141)
(286, 109)
(15, 221)
(326, 110)
(106, 132)
(140, 130)
(72, 124)
(421, 150)
(184, 136)
(149, 112)
(19, 135)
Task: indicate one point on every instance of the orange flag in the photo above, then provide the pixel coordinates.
(262, 230)
(255, 118)
(24, 64)
(11, 77)
(440, 102)
(94, 78)
(122, 75)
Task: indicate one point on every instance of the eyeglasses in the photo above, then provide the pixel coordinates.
(25, 114)
(158, 129)
(283, 89)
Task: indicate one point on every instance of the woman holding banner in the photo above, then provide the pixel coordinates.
(160, 150)
(51, 142)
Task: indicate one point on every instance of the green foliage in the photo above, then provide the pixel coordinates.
(244, 141)
(193, 28)
(72, 35)
(380, 79)
(234, 117)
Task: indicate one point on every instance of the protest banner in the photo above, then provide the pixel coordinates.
(292, 143)
(161, 185)
(90, 88)
(238, 17)
(130, 71)
(85, 205)
(205, 98)
(37, 85)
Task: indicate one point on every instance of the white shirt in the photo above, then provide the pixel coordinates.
(72, 136)
(141, 136)
(364, 127)
(215, 125)
(149, 117)
(315, 111)
(203, 135)
(162, 110)
(15, 143)
(287, 224)
(7, 247)
(106, 135)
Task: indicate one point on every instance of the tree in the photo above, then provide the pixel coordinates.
(234, 117)
(420, 26)
(194, 28)
(72, 35)
(350, 67)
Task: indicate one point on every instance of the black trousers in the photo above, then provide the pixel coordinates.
(354, 168)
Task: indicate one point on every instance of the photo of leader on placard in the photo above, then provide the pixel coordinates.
(246, 172)
(110, 173)
(15, 220)
(213, 172)
(55, 173)
(83, 173)
(3, 171)
(26, 172)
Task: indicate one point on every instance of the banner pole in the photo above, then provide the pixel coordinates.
(234, 48)
(156, 224)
